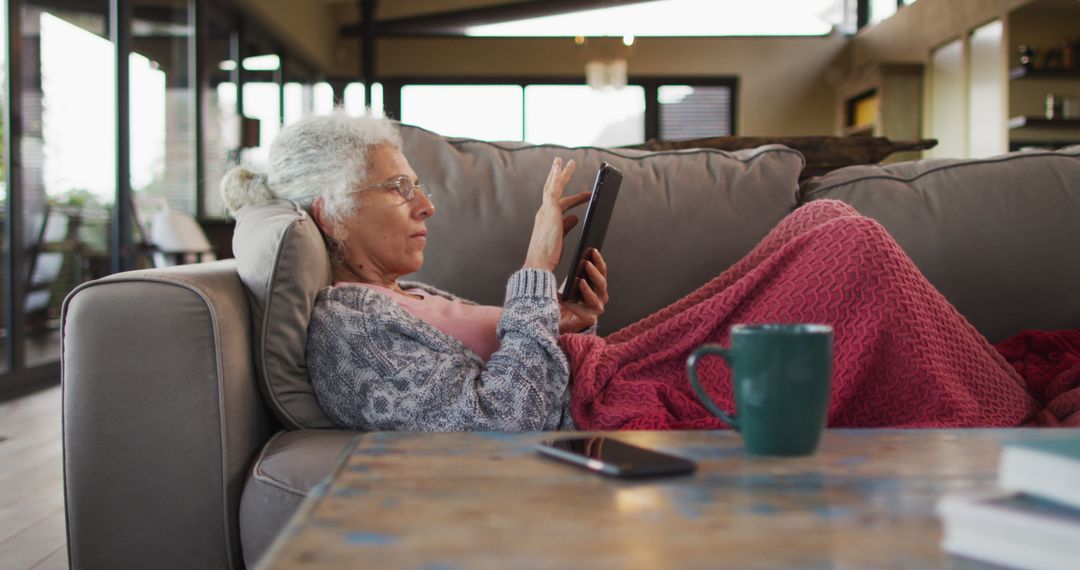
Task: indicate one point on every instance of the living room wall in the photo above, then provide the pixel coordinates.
(910, 34)
(787, 85)
(915, 32)
(783, 82)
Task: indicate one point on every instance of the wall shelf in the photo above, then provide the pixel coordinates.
(1022, 72)
(1042, 123)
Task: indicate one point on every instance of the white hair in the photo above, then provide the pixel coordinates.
(323, 156)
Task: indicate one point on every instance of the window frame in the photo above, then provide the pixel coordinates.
(862, 12)
(649, 83)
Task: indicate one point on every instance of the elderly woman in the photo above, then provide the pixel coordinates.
(389, 354)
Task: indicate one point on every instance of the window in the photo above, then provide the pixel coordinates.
(77, 88)
(298, 102)
(874, 11)
(578, 115)
(4, 309)
(376, 102)
(221, 122)
(323, 95)
(487, 112)
(353, 99)
(572, 114)
(64, 179)
(691, 112)
(881, 9)
(68, 170)
(261, 102)
(356, 104)
(221, 128)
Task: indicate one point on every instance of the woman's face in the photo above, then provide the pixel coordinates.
(385, 237)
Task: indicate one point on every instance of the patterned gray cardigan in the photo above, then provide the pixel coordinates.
(376, 367)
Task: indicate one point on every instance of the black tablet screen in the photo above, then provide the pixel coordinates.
(593, 229)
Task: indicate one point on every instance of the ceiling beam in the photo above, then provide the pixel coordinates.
(456, 22)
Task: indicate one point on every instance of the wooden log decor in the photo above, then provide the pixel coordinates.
(822, 153)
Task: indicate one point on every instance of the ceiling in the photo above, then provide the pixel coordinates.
(451, 17)
(1053, 6)
(326, 34)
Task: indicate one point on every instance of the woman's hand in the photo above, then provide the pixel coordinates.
(551, 224)
(580, 315)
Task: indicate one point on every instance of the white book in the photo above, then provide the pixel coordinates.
(1012, 529)
(1048, 468)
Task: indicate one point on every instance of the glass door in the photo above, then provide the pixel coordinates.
(162, 115)
(67, 178)
(5, 334)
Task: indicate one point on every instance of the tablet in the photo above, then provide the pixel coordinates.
(593, 229)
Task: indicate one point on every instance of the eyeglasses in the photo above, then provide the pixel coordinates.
(402, 185)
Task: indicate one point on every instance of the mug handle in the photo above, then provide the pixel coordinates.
(691, 367)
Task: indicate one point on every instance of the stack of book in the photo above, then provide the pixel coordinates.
(1033, 520)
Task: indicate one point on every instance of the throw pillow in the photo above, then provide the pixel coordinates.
(282, 261)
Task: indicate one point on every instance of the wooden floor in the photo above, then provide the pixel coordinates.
(31, 483)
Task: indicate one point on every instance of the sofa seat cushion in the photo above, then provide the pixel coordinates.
(996, 236)
(682, 216)
(289, 466)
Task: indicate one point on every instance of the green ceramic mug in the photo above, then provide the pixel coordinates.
(781, 376)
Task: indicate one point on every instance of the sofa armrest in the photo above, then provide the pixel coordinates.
(162, 418)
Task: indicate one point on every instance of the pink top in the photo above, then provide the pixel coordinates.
(473, 325)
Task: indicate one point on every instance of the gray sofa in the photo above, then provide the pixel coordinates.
(191, 435)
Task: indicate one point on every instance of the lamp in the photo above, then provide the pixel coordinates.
(606, 61)
(606, 75)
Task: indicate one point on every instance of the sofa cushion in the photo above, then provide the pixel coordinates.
(282, 261)
(682, 216)
(996, 236)
(289, 467)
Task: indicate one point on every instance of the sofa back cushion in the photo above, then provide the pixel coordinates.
(996, 236)
(282, 261)
(681, 218)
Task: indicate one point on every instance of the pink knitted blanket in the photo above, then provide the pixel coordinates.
(1049, 362)
(903, 356)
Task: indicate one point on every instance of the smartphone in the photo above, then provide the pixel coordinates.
(594, 228)
(614, 458)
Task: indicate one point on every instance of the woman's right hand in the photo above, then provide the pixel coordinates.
(551, 224)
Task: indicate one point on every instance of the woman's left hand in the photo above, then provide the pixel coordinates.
(579, 315)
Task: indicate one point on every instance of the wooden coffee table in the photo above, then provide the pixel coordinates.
(487, 500)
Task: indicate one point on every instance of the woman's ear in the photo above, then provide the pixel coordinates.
(318, 213)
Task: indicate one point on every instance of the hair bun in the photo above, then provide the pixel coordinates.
(241, 187)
